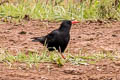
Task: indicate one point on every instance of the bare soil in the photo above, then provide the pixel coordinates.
(89, 36)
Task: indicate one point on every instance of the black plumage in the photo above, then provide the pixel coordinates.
(58, 39)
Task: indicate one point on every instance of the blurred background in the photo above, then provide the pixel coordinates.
(55, 10)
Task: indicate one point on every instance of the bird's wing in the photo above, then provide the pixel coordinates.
(48, 39)
(51, 37)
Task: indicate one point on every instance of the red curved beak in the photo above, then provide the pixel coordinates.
(74, 22)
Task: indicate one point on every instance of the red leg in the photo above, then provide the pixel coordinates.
(62, 56)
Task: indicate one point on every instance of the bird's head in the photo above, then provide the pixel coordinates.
(66, 25)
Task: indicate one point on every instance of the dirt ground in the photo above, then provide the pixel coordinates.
(89, 36)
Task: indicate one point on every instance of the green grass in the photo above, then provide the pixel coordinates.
(33, 58)
(98, 9)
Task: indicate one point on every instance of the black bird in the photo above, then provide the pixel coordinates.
(58, 39)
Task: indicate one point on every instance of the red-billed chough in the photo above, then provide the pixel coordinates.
(58, 39)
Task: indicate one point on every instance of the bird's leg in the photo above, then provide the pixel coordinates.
(62, 56)
(61, 53)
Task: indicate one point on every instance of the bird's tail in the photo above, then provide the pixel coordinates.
(38, 39)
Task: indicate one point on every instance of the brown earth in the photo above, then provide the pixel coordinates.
(90, 37)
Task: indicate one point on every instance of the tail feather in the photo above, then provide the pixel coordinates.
(38, 39)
